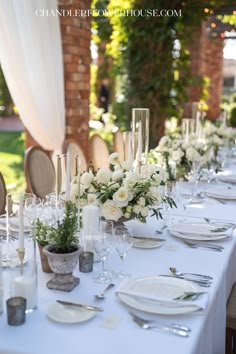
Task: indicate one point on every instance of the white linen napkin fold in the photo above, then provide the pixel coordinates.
(128, 287)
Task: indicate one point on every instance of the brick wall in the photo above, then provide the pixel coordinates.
(75, 32)
(207, 59)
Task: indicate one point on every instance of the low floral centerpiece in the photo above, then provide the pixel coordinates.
(122, 193)
(183, 154)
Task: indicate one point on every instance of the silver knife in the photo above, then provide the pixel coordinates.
(87, 307)
(149, 238)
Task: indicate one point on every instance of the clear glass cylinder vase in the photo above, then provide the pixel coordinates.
(22, 264)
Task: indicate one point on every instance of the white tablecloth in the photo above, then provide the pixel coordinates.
(113, 331)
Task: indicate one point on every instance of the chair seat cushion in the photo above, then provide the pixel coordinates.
(231, 309)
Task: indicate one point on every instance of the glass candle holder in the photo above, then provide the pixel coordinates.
(21, 215)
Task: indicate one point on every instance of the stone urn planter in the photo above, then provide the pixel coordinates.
(62, 265)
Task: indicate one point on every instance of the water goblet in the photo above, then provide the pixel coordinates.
(102, 243)
(185, 192)
(123, 240)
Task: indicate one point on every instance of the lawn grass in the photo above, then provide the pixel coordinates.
(12, 146)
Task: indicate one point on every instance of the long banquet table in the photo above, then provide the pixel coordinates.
(113, 330)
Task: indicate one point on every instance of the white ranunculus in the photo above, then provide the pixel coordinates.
(103, 175)
(121, 197)
(114, 158)
(116, 175)
(92, 198)
(141, 201)
(111, 211)
(144, 212)
(87, 178)
(137, 209)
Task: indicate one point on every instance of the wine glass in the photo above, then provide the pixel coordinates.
(123, 240)
(103, 243)
(185, 192)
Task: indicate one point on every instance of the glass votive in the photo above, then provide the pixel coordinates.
(16, 307)
(86, 262)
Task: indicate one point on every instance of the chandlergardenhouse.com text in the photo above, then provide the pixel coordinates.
(101, 12)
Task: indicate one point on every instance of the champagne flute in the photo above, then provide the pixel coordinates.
(123, 240)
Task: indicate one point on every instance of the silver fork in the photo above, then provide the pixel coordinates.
(162, 327)
(198, 245)
(174, 325)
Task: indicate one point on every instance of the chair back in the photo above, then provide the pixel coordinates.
(118, 144)
(98, 152)
(39, 172)
(75, 150)
(3, 194)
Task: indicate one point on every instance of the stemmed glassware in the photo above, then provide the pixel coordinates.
(123, 241)
(185, 193)
(103, 244)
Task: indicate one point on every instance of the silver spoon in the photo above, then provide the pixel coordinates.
(102, 295)
(175, 272)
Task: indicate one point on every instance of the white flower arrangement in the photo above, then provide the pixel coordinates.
(121, 192)
(180, 152)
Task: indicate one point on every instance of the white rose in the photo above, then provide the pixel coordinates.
(81, 189)
(114, 158)
(130, 179)
(87, 179)
(121, 197)
(144, 212)
(111, 211)
(116, 175)
(117, 167)
(103, 175)
(177, 155)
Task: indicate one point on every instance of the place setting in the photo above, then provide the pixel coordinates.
(163, 295)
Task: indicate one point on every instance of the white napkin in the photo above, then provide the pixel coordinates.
(129, 287)
(202, 229)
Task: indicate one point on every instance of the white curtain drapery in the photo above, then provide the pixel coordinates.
(31, 60)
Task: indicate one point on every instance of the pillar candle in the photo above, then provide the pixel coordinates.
(25, 286)
(67, 197)
(140, 142)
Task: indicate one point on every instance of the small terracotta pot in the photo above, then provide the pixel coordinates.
(44, 261)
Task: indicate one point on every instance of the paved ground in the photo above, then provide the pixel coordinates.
(11, 124)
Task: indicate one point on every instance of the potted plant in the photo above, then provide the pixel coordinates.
(63, 249)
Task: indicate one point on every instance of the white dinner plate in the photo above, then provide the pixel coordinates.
(222, 193)
(147, 243)
(229, 178)
(197, 237)
(200, 228)
(68, 314)
(166, 288)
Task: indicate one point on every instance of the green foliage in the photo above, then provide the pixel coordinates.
(232, 118)
(12, 146)
(151, 55)
(64, 236)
